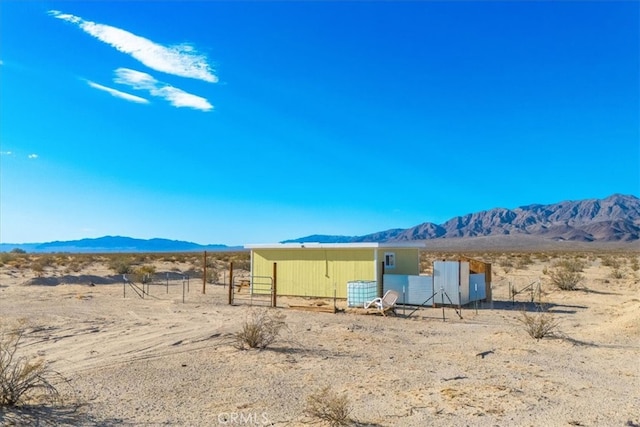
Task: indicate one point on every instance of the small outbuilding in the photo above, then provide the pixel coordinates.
(324, 269)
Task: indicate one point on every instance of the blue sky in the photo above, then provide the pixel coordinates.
(251, 122)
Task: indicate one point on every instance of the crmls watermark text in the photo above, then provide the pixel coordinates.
(243, 418)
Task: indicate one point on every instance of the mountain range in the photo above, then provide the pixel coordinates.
(612, 219)
(615, 219)
(110, 244)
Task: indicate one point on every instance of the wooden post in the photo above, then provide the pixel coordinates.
(487, 279)
(381, 280)
(231, 283)
(275, 281)
(204, 273)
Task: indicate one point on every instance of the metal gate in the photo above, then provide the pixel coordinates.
(254, 290)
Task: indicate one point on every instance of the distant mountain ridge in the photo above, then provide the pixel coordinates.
(615, 219)
(110, 244)
(612, 219)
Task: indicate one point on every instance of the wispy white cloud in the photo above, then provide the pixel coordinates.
(118, 94)
(6, 153)
(180, 60)
(177, 97)
(32, 156)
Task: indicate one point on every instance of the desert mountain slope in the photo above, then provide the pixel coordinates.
(612, 219)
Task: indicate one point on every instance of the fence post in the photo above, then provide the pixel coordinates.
(381, 280)
(204, 273)
(231, 283)
(404, 302)
(275, 282)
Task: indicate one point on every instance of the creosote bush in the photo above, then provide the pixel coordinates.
(565, 279)
(144, 273)
(330, 407)
(539, 325)
(573, 265)
(260, 330)
(23, 379)
(121, 265)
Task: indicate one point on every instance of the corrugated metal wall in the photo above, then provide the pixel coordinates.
(446, 282)
(477, 288)
(315, 272)
(453, 283)
(417, 289)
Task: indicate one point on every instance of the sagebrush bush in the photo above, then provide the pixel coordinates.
(523, 261)
(573, 265)
(121, 265)
(260, 330)
(144, 273)
(565, 279)
(539, 325)
(617, 273)
(212, 275)
(611, 261)
(23, 379)
(330, 407)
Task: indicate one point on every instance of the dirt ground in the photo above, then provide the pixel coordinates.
(161, 361)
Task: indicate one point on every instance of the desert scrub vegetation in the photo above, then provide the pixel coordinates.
(564, 278)
(144, 273)
(612, 261)
(574, 264)
(523, 261)
(617, 273)
(325, 405)
(261, 329)
(212, 275)
(15, 260)
(23, 379)
(121, 264)
(41, 262)
(538, 325)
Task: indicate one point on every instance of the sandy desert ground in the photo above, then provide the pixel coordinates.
(159, 361)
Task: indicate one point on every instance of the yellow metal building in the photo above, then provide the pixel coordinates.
(324, 269)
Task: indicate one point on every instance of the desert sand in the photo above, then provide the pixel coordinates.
(161, 361)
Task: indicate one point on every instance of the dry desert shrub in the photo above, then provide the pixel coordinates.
(565, 279)
(23, 379)
(506, 264)
(617, 273)
(330, 407)
(523, 261)
(38, 263)
(212, 275)
(16, 258)
(612, 261)
(539, 325)
(260, 329)
(120, 264)
(144, 273)
(574, 265)
(543, 257)
(5, 258)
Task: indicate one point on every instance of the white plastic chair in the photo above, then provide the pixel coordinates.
(384, 304)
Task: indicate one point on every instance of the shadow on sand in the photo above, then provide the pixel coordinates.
(63, 416)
